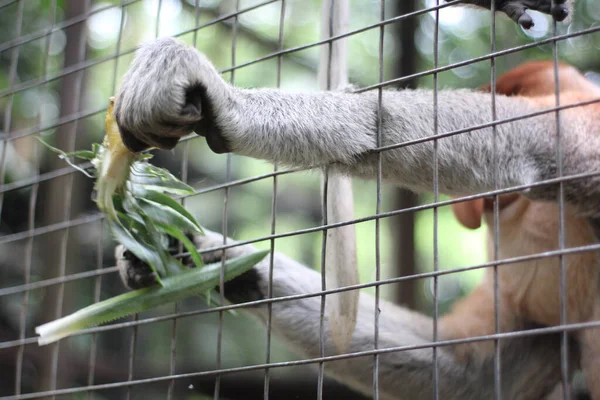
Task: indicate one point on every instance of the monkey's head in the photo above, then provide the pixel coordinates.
(536, 78)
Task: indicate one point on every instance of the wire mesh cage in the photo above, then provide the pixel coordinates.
(60, 61)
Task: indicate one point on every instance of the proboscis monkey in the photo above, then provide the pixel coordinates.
(530, 290)
(530, 366)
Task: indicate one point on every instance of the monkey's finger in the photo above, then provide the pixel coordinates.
(559, 11)
(216, 142)
(518, 13)
(525, 21)
(543, 7)
(131, 142)
(138, 143)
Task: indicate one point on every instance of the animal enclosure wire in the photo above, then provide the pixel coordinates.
(62, 230)
(564, 366)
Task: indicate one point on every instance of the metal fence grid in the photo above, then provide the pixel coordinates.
(56, 255)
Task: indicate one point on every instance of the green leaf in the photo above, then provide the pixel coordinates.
(144, 156)
(175, 288)
(149, 230)
(85, 154)
(147, 176)
(97, 148)
(149, 226)
(134, 224)
(187, 243)
(139, 248)
(154, 238)
(160, 213)
(214, 300)
(172, 209)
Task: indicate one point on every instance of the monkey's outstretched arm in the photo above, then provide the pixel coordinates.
(531, 366)
(172, 89)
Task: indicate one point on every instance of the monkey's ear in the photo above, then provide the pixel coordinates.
(469, 213)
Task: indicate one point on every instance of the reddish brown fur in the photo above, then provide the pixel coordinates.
(530, 291)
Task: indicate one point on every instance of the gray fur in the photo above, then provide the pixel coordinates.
(316, 128)
(155, 87)
(313, 129)
(531, 366)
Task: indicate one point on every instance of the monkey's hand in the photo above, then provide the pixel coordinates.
(135, 273)
(517, 9)
(163, 96)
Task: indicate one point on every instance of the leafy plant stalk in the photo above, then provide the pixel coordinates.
(194, 281)
(134, 196)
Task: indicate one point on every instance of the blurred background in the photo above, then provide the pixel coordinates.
(60, 61)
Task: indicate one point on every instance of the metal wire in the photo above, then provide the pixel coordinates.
(496, 210)
(70, 135)
(83, 220)
(66, 171)
(21, 40)
(97, 292)
(267, 381)
(326, 26)
(100, 245)
(507, 261)
(564, 345)
(86, 65)
(30, 241)
(133, 339)
(224, 226)
(30, 131)
(33, 230)
(436, 197)
(184, 177)
(316, 360)
(377, 310)
(14, 59)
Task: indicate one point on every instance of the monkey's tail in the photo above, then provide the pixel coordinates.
(340, 254)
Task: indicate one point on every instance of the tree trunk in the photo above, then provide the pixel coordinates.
(403, 225)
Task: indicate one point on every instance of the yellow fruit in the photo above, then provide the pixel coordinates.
(112, 140)
(113, 169)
